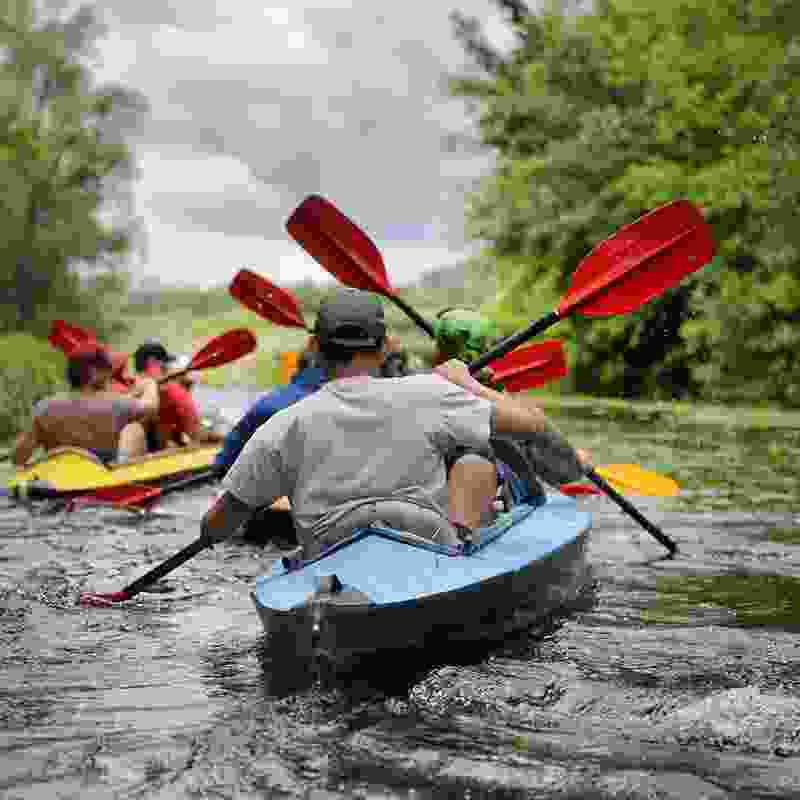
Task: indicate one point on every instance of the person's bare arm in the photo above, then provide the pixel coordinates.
(523, 420)
(511, 417)
(24, 446)
(146, 392)
(225, 517)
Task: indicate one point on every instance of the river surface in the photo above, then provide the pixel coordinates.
(663, 679)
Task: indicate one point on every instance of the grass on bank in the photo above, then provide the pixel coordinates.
(183, 332)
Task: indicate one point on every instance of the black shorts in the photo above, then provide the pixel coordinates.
(462, 451)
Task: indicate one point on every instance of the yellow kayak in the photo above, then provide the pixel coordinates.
(71, 469)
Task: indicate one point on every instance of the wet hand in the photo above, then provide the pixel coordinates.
(456, 372)
(393, 345)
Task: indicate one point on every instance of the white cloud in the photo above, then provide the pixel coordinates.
(257, 43)
(212, 259)
(252, 108)
(193, 174)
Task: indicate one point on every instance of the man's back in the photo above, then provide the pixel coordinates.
(305, 382)
(356, 440)
(89, 421)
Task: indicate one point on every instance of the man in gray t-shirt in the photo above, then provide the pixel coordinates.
(365, 449)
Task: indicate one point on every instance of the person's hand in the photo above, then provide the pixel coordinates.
(393, 345)
(456, 372)
(584, 457)
(281, 504)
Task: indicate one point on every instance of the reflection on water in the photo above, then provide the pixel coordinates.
(668, 679)
(766, 600)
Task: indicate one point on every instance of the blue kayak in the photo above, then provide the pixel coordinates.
(383, 589)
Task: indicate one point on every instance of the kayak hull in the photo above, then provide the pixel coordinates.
(395, 594)
(72, 469)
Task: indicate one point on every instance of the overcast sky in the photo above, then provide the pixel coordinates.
(254, 108)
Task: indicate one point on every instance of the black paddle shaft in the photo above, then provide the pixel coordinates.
(508, 344)
(632, 511)
(181, 557)
(205, 476)
(421, 321)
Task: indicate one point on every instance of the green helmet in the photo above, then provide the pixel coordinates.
(465, 334)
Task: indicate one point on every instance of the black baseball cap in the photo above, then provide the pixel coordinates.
(151, 349)
(352, 319)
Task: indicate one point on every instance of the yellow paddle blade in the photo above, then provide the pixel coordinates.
(632, 478)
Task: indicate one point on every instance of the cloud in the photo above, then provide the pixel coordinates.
(252, 109)
(210, 258)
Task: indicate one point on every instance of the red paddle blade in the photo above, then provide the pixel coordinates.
(639, 262)
(67, 338)
(338, 245)
(224, 349)
(118, 495)
(530, 366)
(102, 599)
(577, 489)
(266, 299)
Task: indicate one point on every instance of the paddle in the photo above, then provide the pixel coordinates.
(106, 599)
(266, 299)
(69, 338)
(621, 274)
(66, 337)
(345, 251)
(530, 367)
(135, 496)
(628, 477)
(220, 350)
(525, 368)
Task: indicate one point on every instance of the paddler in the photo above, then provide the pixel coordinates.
(178, 421)
(121, 381)
(363, 449)
(93, 416)
(311, 374)
(465, 334)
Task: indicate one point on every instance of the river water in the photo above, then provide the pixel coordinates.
(663, 679)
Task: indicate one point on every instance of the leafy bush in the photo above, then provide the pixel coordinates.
(29, 370)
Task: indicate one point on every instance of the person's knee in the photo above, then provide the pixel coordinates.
(474, 469)
(472, 488)
(132, 441)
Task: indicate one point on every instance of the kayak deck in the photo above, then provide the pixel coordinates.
(72, 469)
(394, 593)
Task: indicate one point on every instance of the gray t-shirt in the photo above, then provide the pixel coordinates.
(359, 439)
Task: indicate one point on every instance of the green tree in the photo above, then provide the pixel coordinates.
(600, 116)
(65, 170)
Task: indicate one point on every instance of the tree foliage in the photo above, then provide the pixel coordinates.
(600, 116)
(65, 170)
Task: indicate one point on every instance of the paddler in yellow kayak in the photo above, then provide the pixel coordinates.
(178, 422)
(364, 449)
(93, 416)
